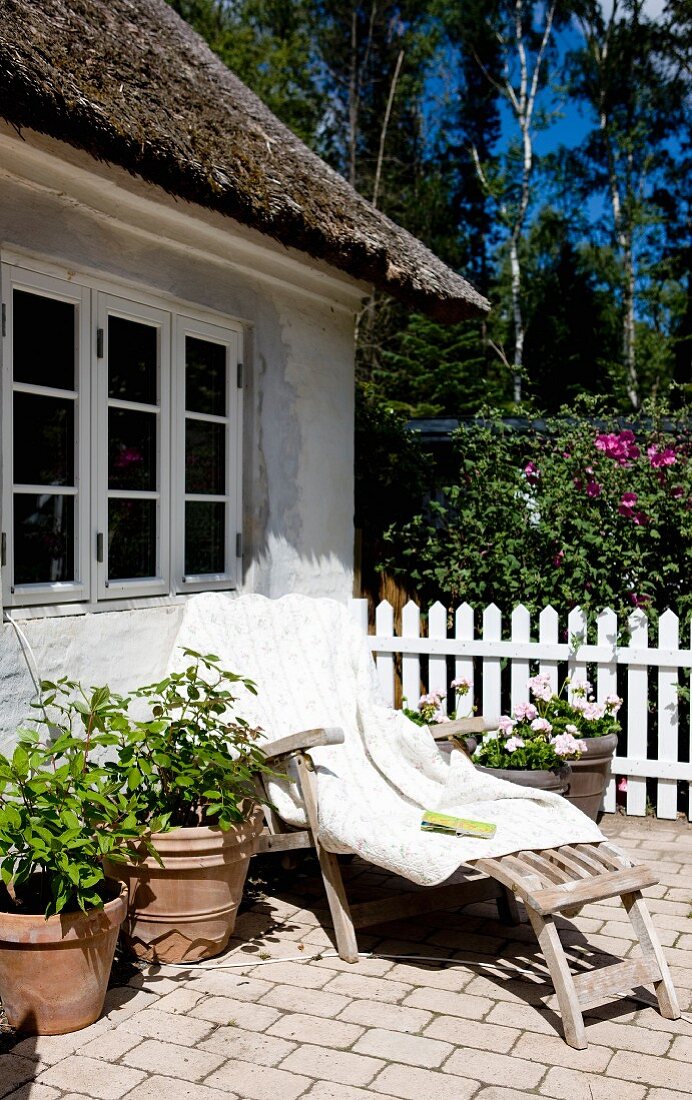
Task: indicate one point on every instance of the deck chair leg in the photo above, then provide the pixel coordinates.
(344, 929)
(507, 908)
(554, 955)
(652, 951)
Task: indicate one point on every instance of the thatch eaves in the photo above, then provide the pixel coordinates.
(132, 84)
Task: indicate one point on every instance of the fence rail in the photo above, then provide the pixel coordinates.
(656, 716)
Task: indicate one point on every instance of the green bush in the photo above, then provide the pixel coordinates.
(583, 512)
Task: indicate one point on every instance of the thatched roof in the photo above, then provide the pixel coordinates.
(132, 84)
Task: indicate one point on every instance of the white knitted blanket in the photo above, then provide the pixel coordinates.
(313, 668)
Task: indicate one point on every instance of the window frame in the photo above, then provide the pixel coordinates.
(95, 297)
(229, 337)
(44, 285)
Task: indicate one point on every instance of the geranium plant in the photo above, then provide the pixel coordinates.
(430, 710)
(61, 811)
(545, 733)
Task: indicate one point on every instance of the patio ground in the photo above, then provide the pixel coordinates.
(479, 1026)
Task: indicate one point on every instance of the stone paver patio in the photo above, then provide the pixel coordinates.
(290, 1022)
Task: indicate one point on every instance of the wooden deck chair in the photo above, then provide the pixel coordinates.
(548, 882)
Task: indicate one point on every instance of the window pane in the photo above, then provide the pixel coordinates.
(131, 449)
(205, 538)
(43, 538)
(205, 457)
(132, 360)
(43, 440)
(131, 539)
(205, 376)
(45, 339)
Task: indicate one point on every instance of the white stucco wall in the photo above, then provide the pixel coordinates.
(298, 434)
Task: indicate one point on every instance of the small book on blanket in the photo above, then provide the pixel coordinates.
(434, 822)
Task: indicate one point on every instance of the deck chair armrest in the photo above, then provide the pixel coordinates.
(306, 739)
(463, 727)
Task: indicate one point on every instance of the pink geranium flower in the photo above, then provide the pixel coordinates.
(665, 457)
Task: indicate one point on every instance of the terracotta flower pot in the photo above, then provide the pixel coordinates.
(590, 774)
(186, 910)
(556, 781)
(54, 973)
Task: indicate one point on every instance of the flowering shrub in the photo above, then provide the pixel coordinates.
(571, 512)
(430, 706)
(545, 733)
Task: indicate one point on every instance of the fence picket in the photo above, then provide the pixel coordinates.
(576, 636)
(463, 666)
(492, 668)
(384, 625)
(437, 664)
(668, 720)
(521, 632)
(359, 614)
(410, 662)
(637, 713)
(548, 633)
(607, 682)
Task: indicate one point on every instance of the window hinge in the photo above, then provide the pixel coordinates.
(99, 343)
(4, 319)
(239, 545)
(99, 547)
(3, 549)
(240, 376)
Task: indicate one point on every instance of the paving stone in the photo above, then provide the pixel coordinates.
(234, 1013)
(522, 1016)
(681, 1048)
(92, 1077)
(53, 1048)
(258, 1082)
(398, 1046)
(172, 1060)
(333, 1065)
(111, 1046)
(649, 1070)
(411, 1083)
(678, 958)
(165, 1088)
(454, 978)
(320, 1031)
(462, 1032)
(295, 973)
(171, 1028)
(496, 1092)
(451, 1004)
(666, 1094)
(314, 1002)
(15, 1070)
(554, 1050)
(372, 989)
(251, 1046)
(180, 1000)
(122, 1001)
(653, 1021)
(494, 1069)
(153, 980)
(627, 1037)
(380, 1014)
(227, 983)
(32, 1091)
(570, 1084)
(501, 989)
(369, 967)
(331, 1090)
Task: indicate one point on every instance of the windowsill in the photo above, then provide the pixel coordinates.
(49, 611)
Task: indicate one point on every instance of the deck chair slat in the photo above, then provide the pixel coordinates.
(609, 885)
(596, 986)
(547, 868)
(596, 852)
(565, 858)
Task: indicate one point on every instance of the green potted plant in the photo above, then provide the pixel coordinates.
(60, 814)
(192, 763)
(572, 739)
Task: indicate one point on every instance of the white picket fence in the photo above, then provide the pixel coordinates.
(653, 672)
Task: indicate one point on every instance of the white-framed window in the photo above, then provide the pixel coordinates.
(121, 443)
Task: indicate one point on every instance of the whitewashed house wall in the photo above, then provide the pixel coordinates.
(57, 204)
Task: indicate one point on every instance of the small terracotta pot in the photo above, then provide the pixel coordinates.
(186, 910)
(556, 781)
(590, 774)
(54, 972)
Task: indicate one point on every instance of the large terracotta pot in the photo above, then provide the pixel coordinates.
(556, 781)
(54, 972)
(186, 910)
(590, 774)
